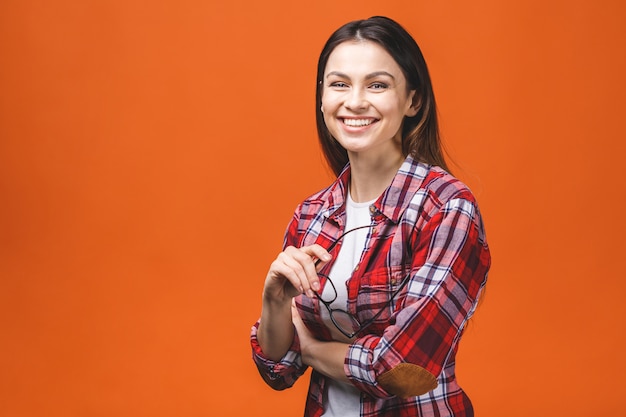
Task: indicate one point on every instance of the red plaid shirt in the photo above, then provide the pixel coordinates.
(427, 222)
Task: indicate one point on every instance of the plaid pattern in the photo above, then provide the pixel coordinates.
(427, 224)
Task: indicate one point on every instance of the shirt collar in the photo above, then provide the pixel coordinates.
(393, 201)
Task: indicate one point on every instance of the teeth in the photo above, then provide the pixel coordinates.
(357, 122)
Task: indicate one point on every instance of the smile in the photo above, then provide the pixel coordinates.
(358, 122)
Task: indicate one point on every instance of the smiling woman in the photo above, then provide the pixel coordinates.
(152, 152)
(364, 101)
(381, 270)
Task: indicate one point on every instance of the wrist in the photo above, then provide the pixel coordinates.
(306, 351)
(276, 303)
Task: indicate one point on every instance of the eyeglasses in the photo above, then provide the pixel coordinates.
(348, 324)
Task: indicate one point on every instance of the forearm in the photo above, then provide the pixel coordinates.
(275, 334)
(291, 274)
(326, 358)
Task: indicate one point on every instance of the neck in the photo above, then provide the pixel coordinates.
(369, 177)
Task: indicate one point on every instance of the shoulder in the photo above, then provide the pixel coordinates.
(327, 200)
(427, 185)
(444, 187)
(320, 200)
(432, 191)
(311, 214)
(450, 197)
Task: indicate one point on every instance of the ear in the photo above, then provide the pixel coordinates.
(416, 104)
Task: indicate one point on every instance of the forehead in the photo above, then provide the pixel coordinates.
(361, 57)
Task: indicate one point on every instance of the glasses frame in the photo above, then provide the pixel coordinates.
(355, 320)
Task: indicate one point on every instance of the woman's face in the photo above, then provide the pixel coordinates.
(365, 99)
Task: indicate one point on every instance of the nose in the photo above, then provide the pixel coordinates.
(355, 99)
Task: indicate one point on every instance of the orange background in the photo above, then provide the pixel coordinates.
(152, 152)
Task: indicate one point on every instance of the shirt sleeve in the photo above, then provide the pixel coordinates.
(449, 269)
(285, 372)
(282, 374)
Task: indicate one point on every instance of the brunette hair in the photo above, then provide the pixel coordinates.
(420, 133)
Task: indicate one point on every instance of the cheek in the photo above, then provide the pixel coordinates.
(330, 123)
(398, 109)
(326, 121)
(332, 100)
(391, 111)
(327, 103)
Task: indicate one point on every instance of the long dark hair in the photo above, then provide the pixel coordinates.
(420, 133)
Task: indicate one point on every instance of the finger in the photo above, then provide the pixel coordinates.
(297, 321)
(282, 279)
(303, 268)
(302, 271)
(295, 315)
(319, 257)
(320, 254)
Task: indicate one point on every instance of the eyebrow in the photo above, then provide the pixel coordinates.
(368, 76)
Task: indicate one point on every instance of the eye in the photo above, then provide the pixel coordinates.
(338, 84)
(379, 86)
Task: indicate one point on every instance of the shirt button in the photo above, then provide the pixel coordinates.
(372, 209)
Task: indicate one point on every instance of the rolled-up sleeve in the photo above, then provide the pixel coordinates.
(450, 264)
(280, 374)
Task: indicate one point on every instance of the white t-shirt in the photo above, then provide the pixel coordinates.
(343, 399)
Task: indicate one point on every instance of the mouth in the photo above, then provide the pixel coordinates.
(358, 122)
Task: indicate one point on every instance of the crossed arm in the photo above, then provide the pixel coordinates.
(294, 272)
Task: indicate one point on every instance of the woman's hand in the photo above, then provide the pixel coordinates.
(294, 272)
(304, 335)
(325, 357)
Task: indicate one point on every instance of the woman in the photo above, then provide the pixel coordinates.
(380, 271)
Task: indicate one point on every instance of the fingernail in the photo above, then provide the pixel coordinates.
(316, 286)
(326, 258)
(310, 293)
